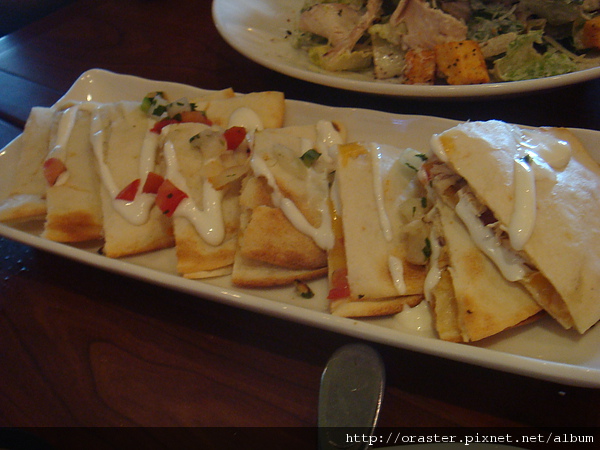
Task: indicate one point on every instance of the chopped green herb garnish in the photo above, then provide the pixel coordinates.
(427, 248)
(310, 157)
(159, 110)
(303, 289)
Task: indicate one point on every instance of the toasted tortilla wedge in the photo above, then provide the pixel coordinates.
(125, 150)
(27, 196)
(474, 300)
(563, 250)
(197, 255)
(371, 189)
(74, 211)
(285, 209)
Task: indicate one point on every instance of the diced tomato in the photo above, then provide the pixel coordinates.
(129, 192)
(234, 137)
(53, 168)
(158, 126)
(195, 116)
(169, 197)
(339, 285)
(152, 183)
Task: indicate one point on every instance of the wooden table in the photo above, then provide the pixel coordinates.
(85, 348)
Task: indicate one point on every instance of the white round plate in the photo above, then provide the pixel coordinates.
(259, 30)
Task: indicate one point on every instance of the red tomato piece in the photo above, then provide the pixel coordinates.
(339, 285)
(195, 116)
(53, 168)
(169, 197)
(234, 137)
(129, 192)
(152, 183)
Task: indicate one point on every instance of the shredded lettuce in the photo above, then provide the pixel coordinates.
(524, 62)
(355, 60)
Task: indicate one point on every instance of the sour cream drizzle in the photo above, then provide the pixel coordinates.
(417, 318)
(384, 220)
(555, 154)
(509, 263)
(323, 235)
(397, 273)
(522, 220)
(327, 137)
(137, 211)
(63, 134)
(247, 118)
(208, 222)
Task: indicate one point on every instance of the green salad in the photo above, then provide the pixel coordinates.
(446, 41)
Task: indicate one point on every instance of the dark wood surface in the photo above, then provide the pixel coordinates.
(81, 347)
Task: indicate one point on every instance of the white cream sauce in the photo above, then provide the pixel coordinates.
(247, 118)
(322, 235)
(384, 220)
(538, 155)
(327, 139)
(397, 272)
(208, 222)
(137, 211)
(556, 152)
(508, 262)
(417, 318)
(522, 220)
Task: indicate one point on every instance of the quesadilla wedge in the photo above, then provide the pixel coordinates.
(285, 221)
(370, 271)
(74, 211)
(529, 198)
(469, 297)
(125, 150)
(205, 165)
(27, 196)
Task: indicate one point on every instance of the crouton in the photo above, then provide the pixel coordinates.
(461, 62)
(420, 66)
(591, 33)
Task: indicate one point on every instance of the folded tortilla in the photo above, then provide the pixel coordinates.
(538, 190)
(372, 189)
(125, 150)
(471, 299)
(27, 196)
(197, 255)
(205, 169)
(285, 217)
(74, 211)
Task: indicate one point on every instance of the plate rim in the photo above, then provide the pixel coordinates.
(438, 92)
(558, 372)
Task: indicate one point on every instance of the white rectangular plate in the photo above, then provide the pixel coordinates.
(541, 350)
